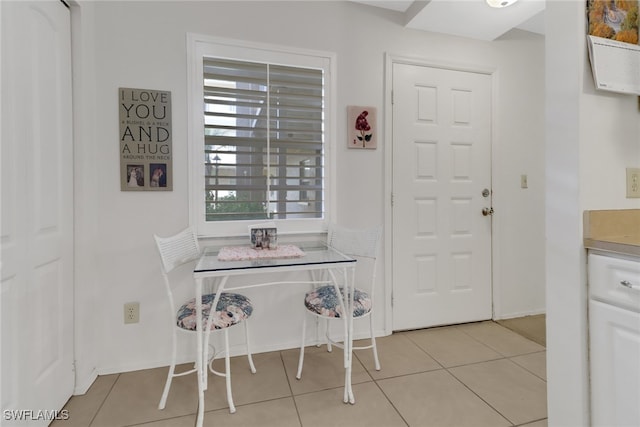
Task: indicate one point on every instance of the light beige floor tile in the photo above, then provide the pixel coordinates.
(536, 363)
(325, 408)
(322, 370)
(83, 408)
(438, 399)
(513, 391)
(398, 355)
(500, 339)
(450, 346)
(135, 396)
(539, 423)
(185, 421)
(269, 381)
(532, 327)
(276, 413)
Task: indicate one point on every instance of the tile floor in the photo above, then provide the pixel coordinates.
(478, 374)
(532, 327)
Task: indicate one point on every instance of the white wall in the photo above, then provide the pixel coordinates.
(591, 138)
(611, 144)
(143, 45)
(519, 150)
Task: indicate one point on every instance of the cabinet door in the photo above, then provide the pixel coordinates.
(615, 365)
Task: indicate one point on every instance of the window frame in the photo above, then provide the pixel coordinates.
(201, 46)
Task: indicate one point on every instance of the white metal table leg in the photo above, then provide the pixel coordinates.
(351, 306)
(347, 310)
(200, 365)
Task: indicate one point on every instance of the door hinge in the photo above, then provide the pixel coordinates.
(392, 100)
(391, 199)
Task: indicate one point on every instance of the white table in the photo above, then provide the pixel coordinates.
(317, 257)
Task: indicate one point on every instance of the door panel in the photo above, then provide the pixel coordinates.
(441, 164)
(37, 208)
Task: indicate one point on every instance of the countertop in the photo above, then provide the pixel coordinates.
(615, 231)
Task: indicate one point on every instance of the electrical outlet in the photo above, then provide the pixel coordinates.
(131, 312)
(633, 183)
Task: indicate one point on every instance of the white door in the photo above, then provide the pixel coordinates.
(37, 211)
(441, 166)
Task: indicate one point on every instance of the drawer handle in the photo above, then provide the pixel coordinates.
(630, 285)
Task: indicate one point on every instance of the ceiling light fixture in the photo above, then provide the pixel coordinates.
(500, 3)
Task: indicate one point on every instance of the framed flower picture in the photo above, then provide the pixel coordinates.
(362, 127)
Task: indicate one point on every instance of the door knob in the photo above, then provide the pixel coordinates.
(487, 211)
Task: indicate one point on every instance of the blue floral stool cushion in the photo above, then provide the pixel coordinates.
(232, 309)
(325, 302)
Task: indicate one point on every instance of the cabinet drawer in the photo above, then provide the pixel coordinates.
(615, 280)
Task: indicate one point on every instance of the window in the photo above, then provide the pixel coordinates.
(260, 118)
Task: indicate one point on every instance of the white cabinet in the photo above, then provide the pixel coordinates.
(614, 333)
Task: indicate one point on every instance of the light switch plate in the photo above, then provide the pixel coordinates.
(633, 183)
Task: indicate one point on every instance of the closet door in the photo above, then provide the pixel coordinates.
(37, 211)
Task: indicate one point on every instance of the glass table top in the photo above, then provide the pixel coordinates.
(314, 254)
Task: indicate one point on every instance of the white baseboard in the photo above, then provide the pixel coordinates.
(237, 350)
(82, 384)
(523, 314)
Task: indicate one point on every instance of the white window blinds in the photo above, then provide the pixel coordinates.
(263, 141)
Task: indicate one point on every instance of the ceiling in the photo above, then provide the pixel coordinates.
(467, 18)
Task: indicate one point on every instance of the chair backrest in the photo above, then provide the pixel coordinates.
(358, 243)
(177, 249)
(364, 245)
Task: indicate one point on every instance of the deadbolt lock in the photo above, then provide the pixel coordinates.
(486, 192)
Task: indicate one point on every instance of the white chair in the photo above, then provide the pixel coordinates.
(323, 301)
(231, 309)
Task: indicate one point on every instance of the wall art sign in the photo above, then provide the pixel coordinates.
(361, 123)
(146, 161)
